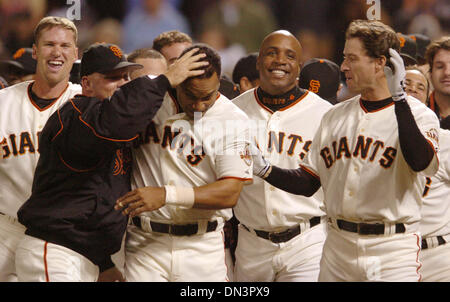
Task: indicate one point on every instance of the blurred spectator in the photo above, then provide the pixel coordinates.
(244, 22)
(144, 23)
(408, 49)
(322, 77)
(245, 74)
(171, 44)
(17, 21)
(315, 44)
(20, 68)
(153, 61)
(108, 30)
(416, 84)
(229, 53)
(228, 88)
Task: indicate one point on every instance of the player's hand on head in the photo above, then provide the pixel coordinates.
(141, 200)
(395, 78)
(186, 66)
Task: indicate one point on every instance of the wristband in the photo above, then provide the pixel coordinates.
(180, 196)
(267, 172)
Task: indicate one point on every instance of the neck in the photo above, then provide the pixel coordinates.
(379, 91)
(443, 101)
(45, 90)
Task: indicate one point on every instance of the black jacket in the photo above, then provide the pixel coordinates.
(85, 166)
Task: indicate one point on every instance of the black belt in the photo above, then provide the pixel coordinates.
(440, 240)
(175, 229)
(367, 228)
(284, 235)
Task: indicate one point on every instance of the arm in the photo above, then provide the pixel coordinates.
(220, 194)
(416, 150)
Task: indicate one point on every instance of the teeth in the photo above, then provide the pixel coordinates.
(58, 63)
(279, 72)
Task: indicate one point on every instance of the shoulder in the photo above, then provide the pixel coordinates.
(227, 109)
(316, 101)
(344, 107)
(245, 99)
(420, 109)
(15, 89)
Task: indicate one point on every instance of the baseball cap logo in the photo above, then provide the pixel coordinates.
(18, 53)
(402, 42)
(116, 51)
(314, 86)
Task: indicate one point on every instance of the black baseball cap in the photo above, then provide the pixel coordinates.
(408, 49)
(322, 77)
(22, 61)
(422, 42)
(104, 58)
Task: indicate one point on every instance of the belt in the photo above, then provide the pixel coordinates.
(367, 228)
(428, 242)
(175, 229)
(279, 237)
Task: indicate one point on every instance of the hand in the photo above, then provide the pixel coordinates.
(111, 275)
(395, 79)
(185, 67)
(260, 164)
(141, 200)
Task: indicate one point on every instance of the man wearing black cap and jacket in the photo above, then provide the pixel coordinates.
(20, 68)
(71, 227)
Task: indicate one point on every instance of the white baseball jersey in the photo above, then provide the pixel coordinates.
(436, 198)
(177, 159)
(21, 121)
(284, 138)
(357, 156)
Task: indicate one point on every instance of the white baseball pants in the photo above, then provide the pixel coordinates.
(436, 263)
(157, 257)
(41, 261)
(11, 233)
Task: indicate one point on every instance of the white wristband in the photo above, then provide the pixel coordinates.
(180, 196)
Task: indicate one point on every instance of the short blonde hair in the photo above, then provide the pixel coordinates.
(52, 21)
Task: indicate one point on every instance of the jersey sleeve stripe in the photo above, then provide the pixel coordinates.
(95, 133)
(309, 171)
(238, 178)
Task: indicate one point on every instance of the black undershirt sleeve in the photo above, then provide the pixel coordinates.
(416, 150)
(295, 181)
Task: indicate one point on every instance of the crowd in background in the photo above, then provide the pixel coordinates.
(233, 27)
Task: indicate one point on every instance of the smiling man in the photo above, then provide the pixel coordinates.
(370, 155)
(25, 108)
(187, 176)
(277, 226)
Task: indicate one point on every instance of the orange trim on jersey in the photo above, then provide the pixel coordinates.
(366, 111)
(432, 102)
(77, 170)
(177, 106)
(95, 133)
(62, 126)
(417, 258)
(47, 279)
(309, 171)
(48, 106)
(282, 109)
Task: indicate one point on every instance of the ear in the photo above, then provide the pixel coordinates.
(86, 85)
(380, 63)
(245, 84)
(33, 54)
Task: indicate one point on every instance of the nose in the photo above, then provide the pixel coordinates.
(199, 106)
(344, 66)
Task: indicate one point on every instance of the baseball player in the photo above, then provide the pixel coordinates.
(280, 234)
(369, 154)
(20, 68)
(245, 74)
(416, 84)
(438, 58)
(153, 61)
(171, 44)
(72, 228)
(188, 173)
(25, 109)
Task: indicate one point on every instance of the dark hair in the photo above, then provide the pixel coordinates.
(212, 57)
(376, 37)
(144, 53)
(168, 38)
(246, 67)
(434, 47)
(415, 67)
